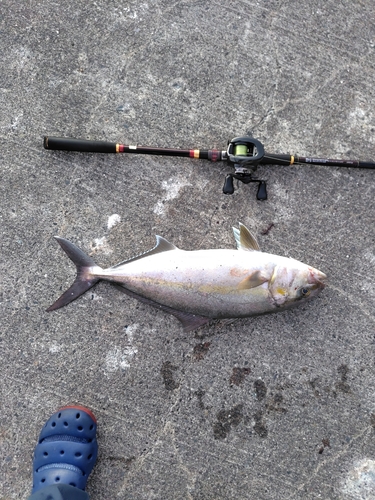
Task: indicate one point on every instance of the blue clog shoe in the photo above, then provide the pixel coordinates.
(67, 449)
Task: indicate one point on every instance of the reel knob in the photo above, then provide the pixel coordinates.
(228, 187)
(262, 191)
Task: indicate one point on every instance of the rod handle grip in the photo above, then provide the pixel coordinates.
(69, 144)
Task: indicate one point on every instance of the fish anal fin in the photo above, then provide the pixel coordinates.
(245, 240)
(252, 281)
(162, 245)
(189, 321)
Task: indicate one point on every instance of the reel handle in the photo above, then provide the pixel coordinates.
(228, 187)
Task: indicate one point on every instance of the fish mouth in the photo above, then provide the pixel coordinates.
(318, 278)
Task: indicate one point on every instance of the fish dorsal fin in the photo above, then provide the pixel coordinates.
(162, 245)
(245, 240)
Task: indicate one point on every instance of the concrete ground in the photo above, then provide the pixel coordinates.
(275, 407)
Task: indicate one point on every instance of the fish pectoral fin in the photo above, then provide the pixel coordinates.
(252, 281)
(189, 321)
(245, 240)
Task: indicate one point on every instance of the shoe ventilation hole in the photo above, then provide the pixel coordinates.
(59, 415)
(66, 424)
(78, 454)
(62, 452)
(90, 456)
(91, 427)
(45, 454)
(53, 424)
(80, 428)
(72, 484)
(43, 480)
(57, 479)
(78, 415)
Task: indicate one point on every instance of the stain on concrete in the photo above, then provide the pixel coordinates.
(226, 419)
(313, 385)
(260, 389)
(343, 385)
(200, 393)
(238, 375)
(274, 403)
(200, 351)
(267, 229)
(325, 444)
(113, 220)
(172, 188)
(166, 371)
(360, 481)
(260, 426)
(118, 358)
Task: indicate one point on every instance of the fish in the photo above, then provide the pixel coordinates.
(198, 286)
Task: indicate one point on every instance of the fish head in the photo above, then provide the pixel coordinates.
(294, 282)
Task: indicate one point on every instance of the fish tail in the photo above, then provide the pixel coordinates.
(85, 279)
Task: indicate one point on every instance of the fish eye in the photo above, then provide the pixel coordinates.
(305, 291)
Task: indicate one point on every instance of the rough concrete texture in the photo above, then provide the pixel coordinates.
(275, 407)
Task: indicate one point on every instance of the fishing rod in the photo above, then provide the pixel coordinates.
(244, 154)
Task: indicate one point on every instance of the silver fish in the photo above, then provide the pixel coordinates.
(197, 286)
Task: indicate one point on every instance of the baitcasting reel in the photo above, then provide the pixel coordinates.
(244, 155)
